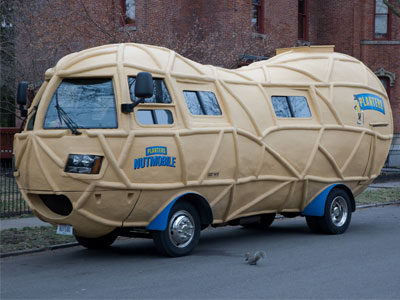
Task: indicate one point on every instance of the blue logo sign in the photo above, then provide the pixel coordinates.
(156, 156)
(369, 102)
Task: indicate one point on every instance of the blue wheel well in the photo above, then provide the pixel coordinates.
(317, 206)
(198, 201)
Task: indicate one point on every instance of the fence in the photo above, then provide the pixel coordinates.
(11, 202)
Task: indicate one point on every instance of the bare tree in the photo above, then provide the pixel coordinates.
(394, 5)
(46, 30)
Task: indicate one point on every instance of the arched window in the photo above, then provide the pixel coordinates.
(386, 83)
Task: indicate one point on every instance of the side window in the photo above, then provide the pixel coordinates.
(291, 107)
(202, 103)
(154, 116)
(160, 93)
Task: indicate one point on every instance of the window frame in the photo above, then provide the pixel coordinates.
(304, 17)
(153, 106)
(123, 14)
(388, 24)
(260, 13)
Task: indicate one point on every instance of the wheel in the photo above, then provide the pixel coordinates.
(264, 222)
(337, 214)
(97, 243)
(182, 233)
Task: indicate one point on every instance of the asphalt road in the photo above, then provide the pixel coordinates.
(363, 263)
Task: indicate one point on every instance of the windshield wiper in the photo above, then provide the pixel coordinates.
(63, 116)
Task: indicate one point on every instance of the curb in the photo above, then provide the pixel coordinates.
(29, 251)
(377, 204)
(69, 245)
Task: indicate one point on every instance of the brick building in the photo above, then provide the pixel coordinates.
(227, 33)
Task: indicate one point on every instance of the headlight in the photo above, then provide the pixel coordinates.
(83, 163)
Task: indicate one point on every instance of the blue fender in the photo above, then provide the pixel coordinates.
(317, 206)
(205, 212)
(160, 222)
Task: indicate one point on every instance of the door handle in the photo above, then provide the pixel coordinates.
(379, 124)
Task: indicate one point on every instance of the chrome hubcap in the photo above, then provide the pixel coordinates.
(338, 211)
(181, 229)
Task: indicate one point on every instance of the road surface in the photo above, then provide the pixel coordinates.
(363, 263)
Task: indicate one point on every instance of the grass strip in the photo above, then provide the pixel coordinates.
(378, 195)
(31, 238)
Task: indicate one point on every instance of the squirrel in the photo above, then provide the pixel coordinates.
(253, 259)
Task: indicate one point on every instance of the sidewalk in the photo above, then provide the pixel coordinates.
(20, 223)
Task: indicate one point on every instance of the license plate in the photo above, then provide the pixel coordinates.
(65, 229)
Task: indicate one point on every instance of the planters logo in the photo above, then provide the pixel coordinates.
(156, 156)
(367, 102)
(370, 101)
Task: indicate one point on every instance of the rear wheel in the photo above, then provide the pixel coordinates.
(182, 233)
(337, 215)
(97, 243)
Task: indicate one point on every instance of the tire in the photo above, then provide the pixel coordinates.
(182, 233)
(264, 222)
(337, 214)
(97, 243)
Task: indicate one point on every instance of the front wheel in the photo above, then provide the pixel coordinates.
(97, 243)
(182, 233)
(337, 214)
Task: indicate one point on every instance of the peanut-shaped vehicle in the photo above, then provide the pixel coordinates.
(136, 140)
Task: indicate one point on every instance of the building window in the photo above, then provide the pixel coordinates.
(382, 21)
(302, 20)
(128, 12)
(256, 16)
(386, 84)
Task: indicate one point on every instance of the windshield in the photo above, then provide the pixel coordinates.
(88, 103)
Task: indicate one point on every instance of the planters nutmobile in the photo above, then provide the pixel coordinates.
(136, 140)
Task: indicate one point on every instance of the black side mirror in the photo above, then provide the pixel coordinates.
(143, 89)
(21, 97)
(22, 92)
(144, 85)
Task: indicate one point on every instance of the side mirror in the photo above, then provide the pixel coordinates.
(144, 85)
(21, 97)
(22, 92)
(143, 89)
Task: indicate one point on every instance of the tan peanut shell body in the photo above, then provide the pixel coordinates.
(245, 162)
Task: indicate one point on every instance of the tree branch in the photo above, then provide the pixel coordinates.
(394, 9)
